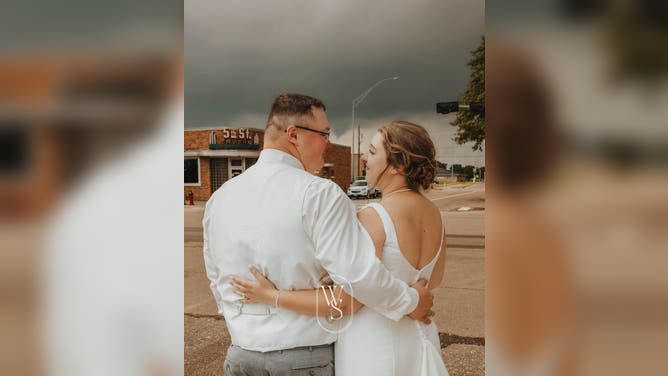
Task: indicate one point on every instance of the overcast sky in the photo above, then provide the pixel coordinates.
(240, 54)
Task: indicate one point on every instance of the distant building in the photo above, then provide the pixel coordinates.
(443, 175)
(214, 155)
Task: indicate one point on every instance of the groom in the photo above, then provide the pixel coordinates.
(295, 228)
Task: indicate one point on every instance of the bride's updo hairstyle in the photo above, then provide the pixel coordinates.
(409, 146)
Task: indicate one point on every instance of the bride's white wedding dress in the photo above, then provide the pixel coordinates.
(376, 345)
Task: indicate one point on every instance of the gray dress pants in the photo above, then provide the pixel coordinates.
(307, 361)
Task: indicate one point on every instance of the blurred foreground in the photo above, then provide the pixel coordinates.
(577, 211)
(91, 123)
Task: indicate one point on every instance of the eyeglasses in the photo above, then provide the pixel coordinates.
(323, 134)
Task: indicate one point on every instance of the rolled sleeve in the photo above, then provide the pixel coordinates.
(347, 252)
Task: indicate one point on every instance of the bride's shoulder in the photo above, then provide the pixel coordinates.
(418, 209)
(369, 215)
(371, 221)
(413, 203)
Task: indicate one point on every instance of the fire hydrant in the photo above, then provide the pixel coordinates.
(190, 198)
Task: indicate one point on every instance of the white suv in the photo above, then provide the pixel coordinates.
(362, 188)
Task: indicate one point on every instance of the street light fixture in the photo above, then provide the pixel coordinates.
(356, 102)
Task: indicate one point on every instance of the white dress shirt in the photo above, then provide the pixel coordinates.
(295, 228)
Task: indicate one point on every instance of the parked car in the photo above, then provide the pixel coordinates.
(362, 188)
(376, 191)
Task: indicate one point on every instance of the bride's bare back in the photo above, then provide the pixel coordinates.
(418, 226)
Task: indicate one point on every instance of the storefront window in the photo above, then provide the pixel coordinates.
(191, 171)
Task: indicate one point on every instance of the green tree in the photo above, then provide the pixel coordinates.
(471, 127)
(468, 172)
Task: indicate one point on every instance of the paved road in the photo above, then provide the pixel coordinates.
(459, 301)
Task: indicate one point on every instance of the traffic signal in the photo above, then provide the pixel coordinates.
(477, 107)
(447, 107)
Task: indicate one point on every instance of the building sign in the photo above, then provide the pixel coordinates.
(235, 138)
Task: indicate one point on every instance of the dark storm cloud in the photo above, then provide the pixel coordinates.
(80, 26)
(240, 54)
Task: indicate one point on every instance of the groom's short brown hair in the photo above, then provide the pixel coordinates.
(290, 108)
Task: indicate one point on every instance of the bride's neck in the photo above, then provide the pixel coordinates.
(394, 185)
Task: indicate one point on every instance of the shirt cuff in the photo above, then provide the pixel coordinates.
(400, 312)
(415, 299)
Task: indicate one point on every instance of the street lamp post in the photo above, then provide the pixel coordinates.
(356, 102)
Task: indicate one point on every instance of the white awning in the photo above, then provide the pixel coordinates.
(222, 153)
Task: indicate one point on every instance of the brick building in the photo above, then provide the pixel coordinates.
(214, 155)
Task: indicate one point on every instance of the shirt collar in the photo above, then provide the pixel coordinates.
(278, 156)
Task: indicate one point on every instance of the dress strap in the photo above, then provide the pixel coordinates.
(440, 245)
(438, 252)
(388, 225)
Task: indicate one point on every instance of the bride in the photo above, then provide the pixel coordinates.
(409, 238)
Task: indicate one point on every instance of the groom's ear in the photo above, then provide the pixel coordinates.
(291, 133)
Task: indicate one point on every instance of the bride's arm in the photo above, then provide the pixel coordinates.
(308, 302)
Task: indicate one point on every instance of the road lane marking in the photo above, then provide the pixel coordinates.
(453, 195)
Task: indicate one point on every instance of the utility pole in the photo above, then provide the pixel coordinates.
(359, 153)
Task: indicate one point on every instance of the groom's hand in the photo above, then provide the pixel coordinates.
(423, 310)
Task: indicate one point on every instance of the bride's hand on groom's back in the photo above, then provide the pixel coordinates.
(423, 310)
(261, 290)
